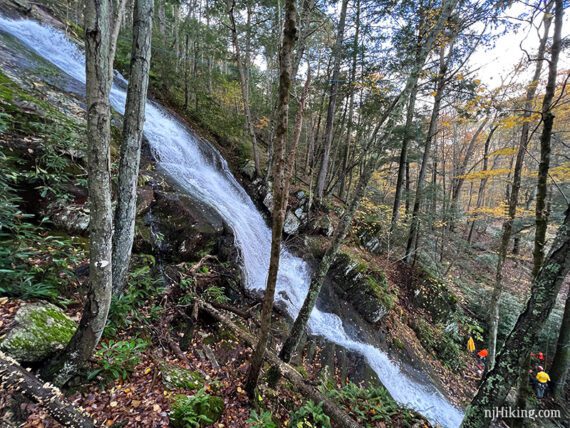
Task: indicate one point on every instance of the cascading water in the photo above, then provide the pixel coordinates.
(204, 174)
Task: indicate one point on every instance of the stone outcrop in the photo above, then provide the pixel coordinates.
(40, 330)
(366, 290)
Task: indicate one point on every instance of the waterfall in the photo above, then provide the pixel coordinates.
(202, 172)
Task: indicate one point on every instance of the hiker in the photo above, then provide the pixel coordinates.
(471, 345)
(482, 354)
(542, 383)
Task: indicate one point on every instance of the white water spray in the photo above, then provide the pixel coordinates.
(203, 173)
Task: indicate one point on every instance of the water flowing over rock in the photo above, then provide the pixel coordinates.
(198, 169)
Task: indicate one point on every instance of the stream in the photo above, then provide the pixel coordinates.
(202, 172)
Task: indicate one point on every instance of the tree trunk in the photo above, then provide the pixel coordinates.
(347, 146)
(483, 183)
(341, 418)
(133, 125)
(459, 176)
(280, 192)
(16, 379)
(415, 223)
(545, 137)
(244, 84)
(514, 196)
(499, 380)
(328, 137)
(98, 84)
(561, 361)
(403, 163)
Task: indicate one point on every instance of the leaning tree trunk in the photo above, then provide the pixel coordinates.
(280, 187)
(498, 382)
(561, 361)
(98, 85)
(545, 137)
(133, 125)
(17, 380)
(328, 137)
(513, 199)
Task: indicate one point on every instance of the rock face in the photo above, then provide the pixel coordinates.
(292, 224)
(249, 169)
(179, 226)
(367, 291)
(435, 296)
(40, 330)
(73, 218)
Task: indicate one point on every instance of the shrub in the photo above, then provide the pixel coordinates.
(118, 359)
(263, 419)
(310, 415)
(195, 411)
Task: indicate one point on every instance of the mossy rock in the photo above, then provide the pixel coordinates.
(40, 330)
(174, 377)
(366, 289)
(198, 410)
(435, 296)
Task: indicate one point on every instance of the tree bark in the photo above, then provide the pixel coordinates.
(16, 379)
(499, 380)
(133, 125)
(98, 85)
(561, 361)
(328, 137)
(513, 198)
(280, 192)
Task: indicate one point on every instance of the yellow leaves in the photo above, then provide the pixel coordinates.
(507, 151)
(147, 370)
(262, 123)
(498, 212)
(480, 175)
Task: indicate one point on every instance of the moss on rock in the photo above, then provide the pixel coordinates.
(365, 288)
(40, 330)
(176, 377)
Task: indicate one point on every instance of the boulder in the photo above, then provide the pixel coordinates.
(323, 225)
(40, 330)
(367, 291)
(145, 198)
(73, 218)
(182, 227)
(300, 214)
(292, 224)
(268, 201)
(174, 377)
(249, 169)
